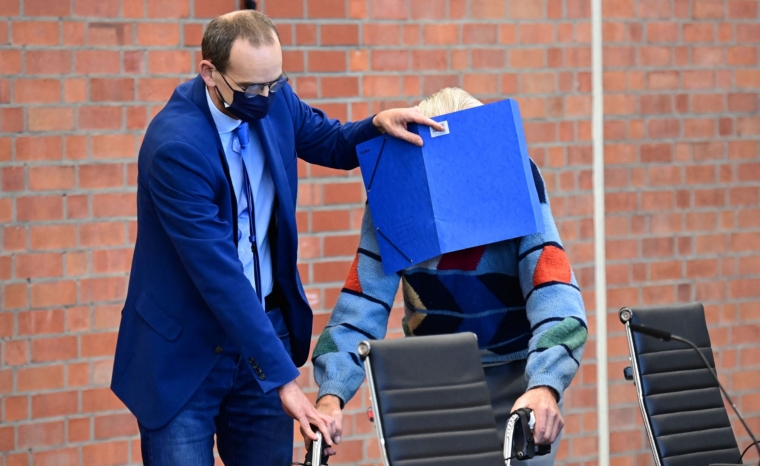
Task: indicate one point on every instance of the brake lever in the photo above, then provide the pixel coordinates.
(520, 428)
(315, 454)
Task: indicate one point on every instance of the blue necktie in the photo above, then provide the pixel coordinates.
(241, 132)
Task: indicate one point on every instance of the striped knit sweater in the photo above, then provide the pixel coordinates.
(518, 296)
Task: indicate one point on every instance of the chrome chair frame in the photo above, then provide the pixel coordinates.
(625, 316)
(364, 349)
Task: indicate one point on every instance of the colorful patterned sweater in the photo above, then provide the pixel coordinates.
(518, 296)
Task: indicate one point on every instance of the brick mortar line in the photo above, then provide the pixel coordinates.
(73, 221)
(89, 276)
(716, 163)
(441, 72)
(692, 256)
(337, 20)
(432, 46)
(65, 192)
(282, 21)
(98, 47)
(67, 306)
(674, 67)
(694, 187)
(104, 19)
(685, 210)
(37, 280)
(361, 46)
(63, 363)
(674, 92)
(72, 192)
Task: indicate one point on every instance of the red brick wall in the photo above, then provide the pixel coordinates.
(683, 185)
(80, 79)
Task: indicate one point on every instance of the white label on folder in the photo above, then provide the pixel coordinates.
(435, 134)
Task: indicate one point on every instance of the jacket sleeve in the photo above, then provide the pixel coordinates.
(554, 304)
(324, 141)
(361, 313)
(182, 188)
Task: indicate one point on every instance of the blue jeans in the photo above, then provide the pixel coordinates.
(251, 427)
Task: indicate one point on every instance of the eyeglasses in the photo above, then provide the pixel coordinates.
(256, 88)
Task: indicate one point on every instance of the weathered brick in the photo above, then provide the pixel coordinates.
(157, 34)
(39, 378)
(51, 178)
(50, 119)
(35, 33)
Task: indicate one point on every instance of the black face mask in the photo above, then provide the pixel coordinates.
(248, 109)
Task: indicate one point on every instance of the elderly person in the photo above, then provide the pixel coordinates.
(519, 296)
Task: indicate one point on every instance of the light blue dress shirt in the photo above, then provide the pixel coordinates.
(263, 195)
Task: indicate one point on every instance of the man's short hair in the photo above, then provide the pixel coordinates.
(221, 32)
(447, 100)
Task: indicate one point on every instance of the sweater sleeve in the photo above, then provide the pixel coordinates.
(361, 313)
(553, 301)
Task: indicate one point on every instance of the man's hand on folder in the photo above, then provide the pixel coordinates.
(395, 121)
(549, 420)
(329, 405)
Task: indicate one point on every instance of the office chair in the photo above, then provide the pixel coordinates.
(431, 404)
(684, 415)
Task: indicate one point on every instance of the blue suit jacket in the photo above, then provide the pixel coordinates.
(187, 291)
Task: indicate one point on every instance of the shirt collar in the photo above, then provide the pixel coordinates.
(224, 123)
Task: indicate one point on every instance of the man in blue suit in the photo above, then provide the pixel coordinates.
(216, 321)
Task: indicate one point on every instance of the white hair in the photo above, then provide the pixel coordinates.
(447, 100)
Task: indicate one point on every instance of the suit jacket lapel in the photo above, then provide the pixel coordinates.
(198, 96)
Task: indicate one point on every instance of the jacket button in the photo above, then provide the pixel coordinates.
(252, 361)
(218, 350)
(262, 376)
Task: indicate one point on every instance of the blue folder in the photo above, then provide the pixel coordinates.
(469, 185)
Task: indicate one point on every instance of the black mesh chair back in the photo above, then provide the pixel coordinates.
(431, 401)
(681, 403)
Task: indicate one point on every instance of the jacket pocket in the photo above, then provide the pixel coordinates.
(157, 318)
(280, 327)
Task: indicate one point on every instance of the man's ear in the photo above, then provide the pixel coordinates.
(206, 69)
